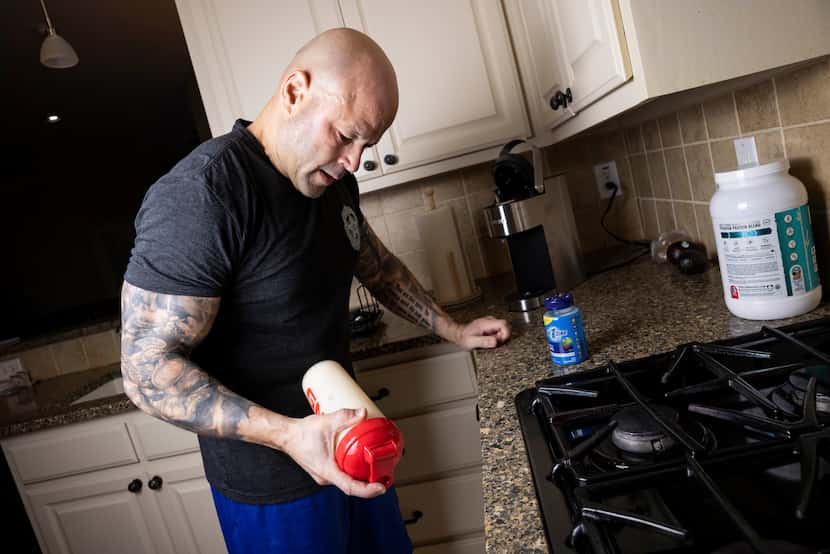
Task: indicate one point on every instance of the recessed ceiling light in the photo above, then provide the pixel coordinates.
(53, 118)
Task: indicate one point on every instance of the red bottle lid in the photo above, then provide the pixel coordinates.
(371, 450)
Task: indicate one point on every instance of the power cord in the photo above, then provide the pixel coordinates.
(614, 188)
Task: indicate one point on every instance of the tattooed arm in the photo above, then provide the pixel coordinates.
(391, 282)
(158, 333)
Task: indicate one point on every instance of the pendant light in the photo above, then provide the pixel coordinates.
(56, 52)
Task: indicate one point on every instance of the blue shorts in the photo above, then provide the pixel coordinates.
(326, 522)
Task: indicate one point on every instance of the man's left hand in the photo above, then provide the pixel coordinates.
(484, 332)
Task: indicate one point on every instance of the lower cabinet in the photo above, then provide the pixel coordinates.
(133, 484)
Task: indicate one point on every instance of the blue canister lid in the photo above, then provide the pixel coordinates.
(559, 301)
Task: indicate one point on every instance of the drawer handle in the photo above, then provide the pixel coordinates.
(155, 483)
(383, 392)
(416, 515)
(134, 486)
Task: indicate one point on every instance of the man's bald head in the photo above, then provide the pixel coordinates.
(338, 95)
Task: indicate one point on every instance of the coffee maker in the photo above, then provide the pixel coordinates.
(535, 218)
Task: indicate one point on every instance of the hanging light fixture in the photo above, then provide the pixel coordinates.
(56, 52)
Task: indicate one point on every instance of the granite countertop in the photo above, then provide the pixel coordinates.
(630, 312)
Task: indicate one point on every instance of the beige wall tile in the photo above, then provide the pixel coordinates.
(678, 178)
(402, 197)
(626, 179)
(445, 186)
(370, 204)
(639, 172)
(592, 236)
(378, 225)
(100, 349)
(804, 95)
(651, 135)
(583, 188)
(665, 216)
(704, 225)
(685, 216)
(417, 263)
(770, 146)
(606, 147)
(720, 117)
(69, 356)
(669, 130)
(403, 233)
(633, 140)
(624, 217)
(478, 178)
(495, 256)
(756, 107)
(723, 155)
(692, 126)
(648, 212)
(809, 151)
(699, 163)
(657, 170)
(39, 363)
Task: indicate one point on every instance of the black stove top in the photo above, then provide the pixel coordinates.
(713, 448)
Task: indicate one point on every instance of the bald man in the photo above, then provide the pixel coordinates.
(239, 281)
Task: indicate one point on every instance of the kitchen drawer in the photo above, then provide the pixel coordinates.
(472, 545)
(438, 442)
(412, 387)
(155, 438)
(449, 507)
(69, 450)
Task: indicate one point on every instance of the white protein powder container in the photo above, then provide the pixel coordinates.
(765, 244)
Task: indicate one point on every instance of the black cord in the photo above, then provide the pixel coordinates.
(614, 188)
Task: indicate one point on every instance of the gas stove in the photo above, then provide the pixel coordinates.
(713, 448)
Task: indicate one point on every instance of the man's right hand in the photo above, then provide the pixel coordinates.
(310, 443)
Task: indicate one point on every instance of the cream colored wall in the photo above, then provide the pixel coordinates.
(668, 164)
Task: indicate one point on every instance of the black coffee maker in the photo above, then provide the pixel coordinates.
(535, 219)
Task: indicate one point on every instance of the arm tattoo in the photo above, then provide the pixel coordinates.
(158, 333)
(393, 284)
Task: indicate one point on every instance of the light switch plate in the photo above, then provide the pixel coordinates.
(606, 172)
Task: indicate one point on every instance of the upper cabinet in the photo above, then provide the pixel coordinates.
(459, 86)
(585, 62)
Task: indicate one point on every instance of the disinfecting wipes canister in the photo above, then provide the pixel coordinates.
(765, 244)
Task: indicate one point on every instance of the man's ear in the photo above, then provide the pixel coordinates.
(294, 90)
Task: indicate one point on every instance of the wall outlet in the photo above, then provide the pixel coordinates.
(10, 367)
(607, 173)
(746, 152)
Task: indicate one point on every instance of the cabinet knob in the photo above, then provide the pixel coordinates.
(561, 99)
(390, 159)
(369, 165)
(416, 515)
(155, 483)
(383, 392)
(134, 486)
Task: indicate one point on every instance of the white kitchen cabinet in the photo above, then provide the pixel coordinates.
(95, 512)
(617, 54)
(459, 89)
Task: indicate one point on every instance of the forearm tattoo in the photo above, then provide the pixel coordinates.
(158, 332)
(393, 284)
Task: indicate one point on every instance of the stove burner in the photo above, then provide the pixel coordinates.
(638, 433)
(799, 379)
(779, 547)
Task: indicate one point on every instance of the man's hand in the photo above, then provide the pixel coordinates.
(311, 444)
(484, 332)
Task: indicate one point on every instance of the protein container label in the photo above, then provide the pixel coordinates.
(769, 256)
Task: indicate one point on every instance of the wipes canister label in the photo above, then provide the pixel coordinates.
(769, 256)
(566, 338)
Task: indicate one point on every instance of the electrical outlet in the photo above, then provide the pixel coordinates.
(607, 173)
(746, 152)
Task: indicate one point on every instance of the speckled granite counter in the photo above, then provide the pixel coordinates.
(627, 313)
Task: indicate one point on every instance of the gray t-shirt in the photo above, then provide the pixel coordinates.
(225, 223)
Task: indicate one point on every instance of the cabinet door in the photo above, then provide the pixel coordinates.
(95, 512)
(239, 49)
(540, 59)
(186, 504)
(459, 90)
(592, 45)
